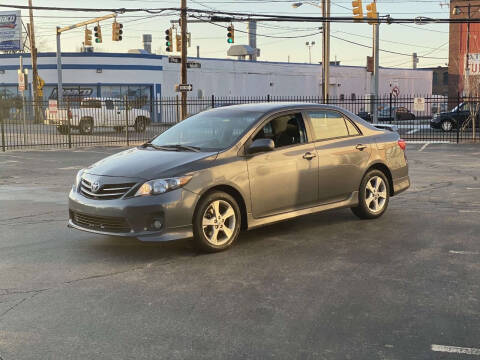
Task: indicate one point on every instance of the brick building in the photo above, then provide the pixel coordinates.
(463, 36)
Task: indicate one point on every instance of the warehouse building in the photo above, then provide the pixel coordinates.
(149, 76)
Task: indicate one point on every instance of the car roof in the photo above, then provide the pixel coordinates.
(268, 107)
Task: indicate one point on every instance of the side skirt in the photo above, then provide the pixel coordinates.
(254, 223)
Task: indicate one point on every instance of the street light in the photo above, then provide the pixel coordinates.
(325, 43)
(310, 44)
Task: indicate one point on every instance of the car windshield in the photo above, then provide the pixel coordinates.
(209, 131)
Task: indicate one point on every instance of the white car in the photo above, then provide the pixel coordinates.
(98, 112)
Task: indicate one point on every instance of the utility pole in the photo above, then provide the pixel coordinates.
(309, 45)
(183, 25)
(33, 53)
(326, 50)
(376, 53)
(414, 60)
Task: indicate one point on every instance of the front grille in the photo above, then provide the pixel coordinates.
(105, 191)
(101, 223)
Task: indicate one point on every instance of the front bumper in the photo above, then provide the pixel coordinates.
(135, 216)
(435, 124)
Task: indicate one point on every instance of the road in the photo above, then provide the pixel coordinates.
(325, 286)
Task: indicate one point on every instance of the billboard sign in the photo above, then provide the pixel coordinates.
(11, 30)
(474, 64)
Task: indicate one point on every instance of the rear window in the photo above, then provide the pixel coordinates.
(91, 104)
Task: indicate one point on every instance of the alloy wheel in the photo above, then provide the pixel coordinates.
(446, 125)
(376, 194)
(218, 222)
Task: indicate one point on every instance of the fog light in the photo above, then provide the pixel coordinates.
(157, 224)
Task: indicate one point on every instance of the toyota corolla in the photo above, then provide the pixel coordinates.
(239, 167)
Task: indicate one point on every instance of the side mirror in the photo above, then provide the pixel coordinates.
(261, 145)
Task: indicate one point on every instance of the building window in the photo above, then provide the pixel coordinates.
(342, 97)
(354, 96)
(445, 78)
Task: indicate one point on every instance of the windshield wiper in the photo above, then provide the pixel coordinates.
(182, 147)
(156, 147)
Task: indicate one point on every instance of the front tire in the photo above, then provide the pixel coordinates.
(62, 129)
(216, 223)
(373, 195)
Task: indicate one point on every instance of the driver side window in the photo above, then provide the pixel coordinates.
(284, 130)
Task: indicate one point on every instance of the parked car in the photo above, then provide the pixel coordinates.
(455, 118)
(365, 115)
(397, 113)
(98, 112)
(241, 167)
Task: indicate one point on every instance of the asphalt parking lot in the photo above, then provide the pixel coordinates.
(325, 286)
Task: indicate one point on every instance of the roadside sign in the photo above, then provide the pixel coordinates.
(22, 81)
(53, 106)
(194, 65)
(174, 59)
(419, 104)
(395, 91)
(183, 87)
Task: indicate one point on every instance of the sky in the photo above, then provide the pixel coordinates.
(429, 40)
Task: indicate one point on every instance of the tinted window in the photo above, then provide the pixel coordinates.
(328, 124)
(284, 130)
(209, 130)
(109, 104)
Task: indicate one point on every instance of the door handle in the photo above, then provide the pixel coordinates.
(308, 156)
(118, 112)
(360, 147)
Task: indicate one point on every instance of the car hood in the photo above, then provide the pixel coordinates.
(149, 163)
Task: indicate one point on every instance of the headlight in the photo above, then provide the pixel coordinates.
(160, 186)
(78, 179)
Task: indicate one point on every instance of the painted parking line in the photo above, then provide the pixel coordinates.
(72, 168)
(424, 146)
(461, 252)
(456, 349)
(469, 211)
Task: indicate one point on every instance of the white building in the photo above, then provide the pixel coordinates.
(153, 77)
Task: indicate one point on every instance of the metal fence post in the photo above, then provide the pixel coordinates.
(268, 97)
(3, 130)
(126, 120)
(69, 125)
(390, 105)
(213, 101)
(178, 110)
(456, 121)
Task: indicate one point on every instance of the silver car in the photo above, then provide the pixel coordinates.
(239, 167)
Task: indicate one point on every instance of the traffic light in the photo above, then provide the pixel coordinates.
(98, 34)
(178, 41)
(372, 13)
(168, 40)
(117, 31)
(88, 37)
(231, 34)
(357, 10)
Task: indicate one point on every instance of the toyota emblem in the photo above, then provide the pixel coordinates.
(95, 186)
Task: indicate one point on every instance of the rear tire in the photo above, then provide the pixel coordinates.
(447, 125)
(373, 195)
(216, 223)
(140, 125)
(86, 126)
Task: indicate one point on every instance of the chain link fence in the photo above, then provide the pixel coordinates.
(92, 121)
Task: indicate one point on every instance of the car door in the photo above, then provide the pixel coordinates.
(109, 116)
(286, 178)
(342, 154)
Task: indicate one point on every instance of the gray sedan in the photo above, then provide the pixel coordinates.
(239, 167)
